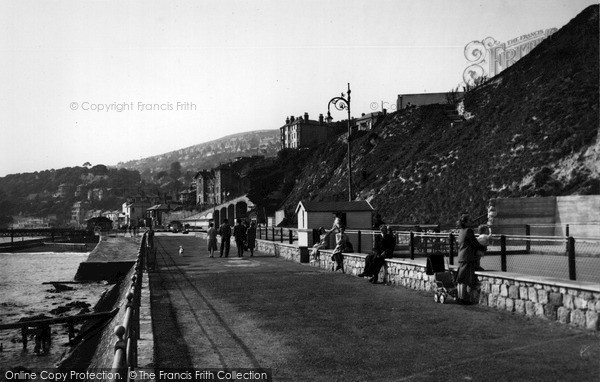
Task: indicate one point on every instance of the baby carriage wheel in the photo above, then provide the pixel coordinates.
(442, 299)
(436, 297)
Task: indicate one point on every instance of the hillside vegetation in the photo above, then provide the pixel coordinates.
(208, 155)
(36, 194)
(533, 132)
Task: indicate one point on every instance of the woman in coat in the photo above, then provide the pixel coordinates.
(251, 238)
(467, 260)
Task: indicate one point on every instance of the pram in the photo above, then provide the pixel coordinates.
(444, 279)
(445, 286)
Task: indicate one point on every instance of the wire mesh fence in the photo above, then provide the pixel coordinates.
(534, 255)
(542, 256)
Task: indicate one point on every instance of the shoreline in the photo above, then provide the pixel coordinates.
(26, 274)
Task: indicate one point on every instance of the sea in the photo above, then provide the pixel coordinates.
(23, 294)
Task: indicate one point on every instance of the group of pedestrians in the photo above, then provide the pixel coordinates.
(470, 249)
(244, 235)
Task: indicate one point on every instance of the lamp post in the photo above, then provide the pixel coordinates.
(342, 103)
(214, 199)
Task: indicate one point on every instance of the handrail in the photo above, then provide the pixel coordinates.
(42, 326)
(60, 320)
(125, 356)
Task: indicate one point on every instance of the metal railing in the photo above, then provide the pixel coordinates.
(546, 256)
(280, 234)
(126, 350)
(563, 230)
(569, 258)
(41, 327)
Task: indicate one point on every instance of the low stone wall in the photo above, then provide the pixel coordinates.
(112, 258)
(568, 302)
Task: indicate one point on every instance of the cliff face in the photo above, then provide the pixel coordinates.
(533, 131)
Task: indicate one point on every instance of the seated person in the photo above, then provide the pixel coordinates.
(383, 249)
(322, 244)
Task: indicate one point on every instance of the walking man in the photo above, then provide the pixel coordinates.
(225, 233)
(239, 232)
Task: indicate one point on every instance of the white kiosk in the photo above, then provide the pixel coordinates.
(356, 215)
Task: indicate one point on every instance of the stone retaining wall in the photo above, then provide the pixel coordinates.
(568, 302)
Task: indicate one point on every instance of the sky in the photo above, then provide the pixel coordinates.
(111, 81)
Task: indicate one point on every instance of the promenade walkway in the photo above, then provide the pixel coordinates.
(309, 324)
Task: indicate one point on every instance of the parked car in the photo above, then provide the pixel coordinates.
(175, 226)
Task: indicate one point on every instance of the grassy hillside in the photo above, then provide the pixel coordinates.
(534, 132)
(209, 154)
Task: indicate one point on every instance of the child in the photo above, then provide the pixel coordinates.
(484, 238)
(340, 245)
(322, 244)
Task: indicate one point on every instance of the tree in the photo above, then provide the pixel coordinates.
(99, 169)
(161, 174)
(175, 171)
(189, 176)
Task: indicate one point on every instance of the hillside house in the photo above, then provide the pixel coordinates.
(65, 190)
(368, 121)
(303, 132)
(81, 191)
(218, 185)
(188, 196)
(78, 212)
(134, 212)
(155, 214)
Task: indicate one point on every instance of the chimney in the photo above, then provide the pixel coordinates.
(306, 116)
(321, 119)
(287, 120)
(384, 111)
(291, 119)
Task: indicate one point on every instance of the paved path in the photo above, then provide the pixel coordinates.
(308, 324)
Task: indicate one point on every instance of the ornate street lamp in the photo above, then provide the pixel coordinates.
(342, 103)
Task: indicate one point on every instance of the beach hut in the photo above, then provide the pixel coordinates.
(355, 215)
